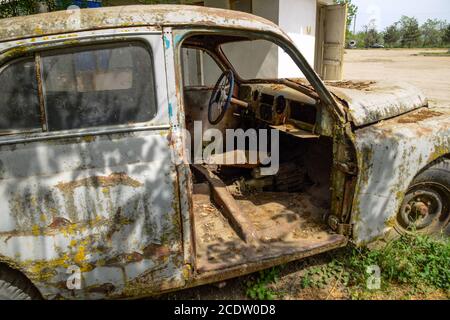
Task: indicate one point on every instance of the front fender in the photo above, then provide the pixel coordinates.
(390, 154)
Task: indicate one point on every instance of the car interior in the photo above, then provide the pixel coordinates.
(240, 215)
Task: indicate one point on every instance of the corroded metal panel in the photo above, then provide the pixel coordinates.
(103, 201)
(178, 142)
(130, 16)
(390, 154)
(104, 204)
(371, 101)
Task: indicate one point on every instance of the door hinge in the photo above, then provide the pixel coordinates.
(348, 168)
(341, 228)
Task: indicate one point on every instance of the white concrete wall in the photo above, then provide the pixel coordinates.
(209, 66)
(298, 19)
(268, 9)
(251, 60)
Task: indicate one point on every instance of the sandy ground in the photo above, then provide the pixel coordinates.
(429, 73)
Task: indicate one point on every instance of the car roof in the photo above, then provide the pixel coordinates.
(57, 22)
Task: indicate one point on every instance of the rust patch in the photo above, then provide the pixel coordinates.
(105, 288)
(88, 138)
(277, 87)
(52, 23)
(117, 221)
(114, 179)
(358, 85)
(124, 258)
(59, 222)
(419, 116)
(156, 251)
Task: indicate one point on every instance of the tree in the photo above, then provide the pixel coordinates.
(359, 37)
(391, 35)
(371, 34)
(410, 32)
(446, 36)
(433, 32)
(352, 10)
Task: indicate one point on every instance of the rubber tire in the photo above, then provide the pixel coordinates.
(437, 172)
(15, 286)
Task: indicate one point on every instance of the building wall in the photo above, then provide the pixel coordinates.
(296, 17)
(248, 58)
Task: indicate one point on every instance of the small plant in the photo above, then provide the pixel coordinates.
(412, 259)
(416, 263)
(260, 288)
(320, 277)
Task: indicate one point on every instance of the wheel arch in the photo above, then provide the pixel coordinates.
(432, 163)
(10, 266)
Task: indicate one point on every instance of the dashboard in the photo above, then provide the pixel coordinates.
(286, 109)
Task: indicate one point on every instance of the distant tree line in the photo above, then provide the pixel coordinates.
(405, 33)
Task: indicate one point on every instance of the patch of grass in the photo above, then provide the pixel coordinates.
(413, 266)
(415, 263)
(416, 260)
(259, 288)
(319, 277)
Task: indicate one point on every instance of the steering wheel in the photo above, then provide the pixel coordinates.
(221, 97)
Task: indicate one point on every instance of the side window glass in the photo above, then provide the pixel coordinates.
(19, 99)
(98, 86)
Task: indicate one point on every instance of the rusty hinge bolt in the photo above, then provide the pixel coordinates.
(341, 228)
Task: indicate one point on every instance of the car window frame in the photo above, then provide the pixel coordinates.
(150, 36)
(78, 49)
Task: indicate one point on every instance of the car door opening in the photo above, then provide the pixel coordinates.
(242, 215)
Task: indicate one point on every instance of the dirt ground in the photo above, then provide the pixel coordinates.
(429, 73)
(432, 75)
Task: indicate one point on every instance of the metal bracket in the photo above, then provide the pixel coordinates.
(341, 228)
(346, 168)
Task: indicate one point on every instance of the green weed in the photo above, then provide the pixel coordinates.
(259, 288)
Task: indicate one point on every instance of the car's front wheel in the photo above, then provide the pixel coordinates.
(426, 205)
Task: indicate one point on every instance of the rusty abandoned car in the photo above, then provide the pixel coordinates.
(93, 205)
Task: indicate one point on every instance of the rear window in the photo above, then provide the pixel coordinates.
(81, 87)
(19, 99)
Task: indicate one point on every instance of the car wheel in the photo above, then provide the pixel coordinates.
(426, 205)
(14, 286)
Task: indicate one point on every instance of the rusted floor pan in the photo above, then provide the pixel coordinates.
(285, 223)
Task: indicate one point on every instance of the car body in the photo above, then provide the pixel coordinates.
(104, 204)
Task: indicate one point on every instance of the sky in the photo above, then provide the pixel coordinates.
(386, 12)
